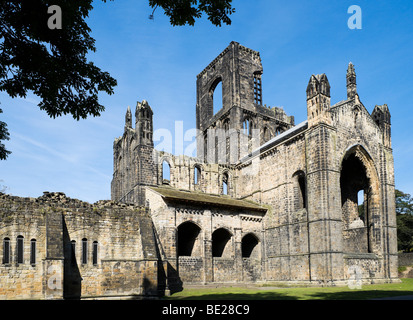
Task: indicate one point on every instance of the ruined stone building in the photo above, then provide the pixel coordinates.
(264, 200)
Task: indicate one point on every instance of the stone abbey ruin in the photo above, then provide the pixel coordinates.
(264, 201)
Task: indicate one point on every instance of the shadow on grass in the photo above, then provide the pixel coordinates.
(270, 295)
(367, 293)
(359, 295)
(353, 295)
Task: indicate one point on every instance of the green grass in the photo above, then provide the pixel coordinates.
(292, 293)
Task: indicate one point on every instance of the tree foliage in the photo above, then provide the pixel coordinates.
(404, 213)
(4, 135)
(182, 12)
(52, 63)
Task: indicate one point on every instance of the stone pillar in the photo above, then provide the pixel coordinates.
(238, 255)
(324, 206)
(169, 246)
(53, 265)
(208, 261)
(53, 278)
(388, 204)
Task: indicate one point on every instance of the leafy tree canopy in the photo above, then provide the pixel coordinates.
(183, 12)
(52, 63)
(404, 203)
(404, 211)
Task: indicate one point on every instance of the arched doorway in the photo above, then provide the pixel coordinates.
(189, 252)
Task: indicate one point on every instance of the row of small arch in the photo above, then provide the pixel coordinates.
(19, 258)
(247, 127)
(166, 175)
(84, 257)
(189, 231)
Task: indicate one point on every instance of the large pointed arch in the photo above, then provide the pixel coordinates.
(358, 173)
(216, 95)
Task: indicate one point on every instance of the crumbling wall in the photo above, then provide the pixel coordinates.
(82, 250)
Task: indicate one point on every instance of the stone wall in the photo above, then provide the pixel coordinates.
(125, 265)
(307, 177)
(22, 217)
(406, 259)
(199, 265)
(191, 269)
(309, 230)
(406, 262)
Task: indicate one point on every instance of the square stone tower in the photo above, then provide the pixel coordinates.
(243, 123)
(133, 160)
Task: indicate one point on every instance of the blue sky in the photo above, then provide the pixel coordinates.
(157, 62)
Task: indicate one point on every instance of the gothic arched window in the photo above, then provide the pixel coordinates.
(197, 174)
(166, 172)
(216, 95)
(225, 183)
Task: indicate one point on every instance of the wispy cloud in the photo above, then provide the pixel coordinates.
(67, 157)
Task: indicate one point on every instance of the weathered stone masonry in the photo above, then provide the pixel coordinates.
(264, 200)
(307, 177)
(82, 250)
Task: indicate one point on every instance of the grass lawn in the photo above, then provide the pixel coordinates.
(297, 293)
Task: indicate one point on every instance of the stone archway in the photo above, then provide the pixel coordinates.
(250, 246)
(188, 243)
(189, 251)
(358, 173)
(221, 245)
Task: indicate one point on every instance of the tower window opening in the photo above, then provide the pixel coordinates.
(166, 172)
(225, 184)
(225, 188)
(197, 175)
(217, 95)
(257, 89)
(247, 127)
